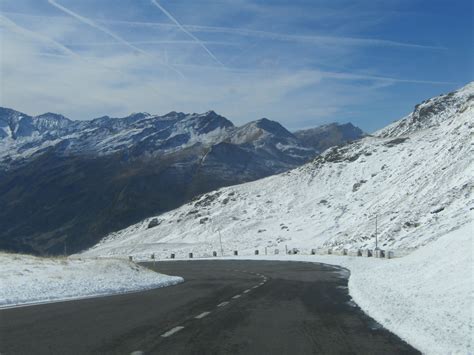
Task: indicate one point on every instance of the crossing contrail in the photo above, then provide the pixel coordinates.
(14, 27)
(110, 33)
(181, 27)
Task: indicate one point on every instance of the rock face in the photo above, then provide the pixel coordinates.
(69, 183)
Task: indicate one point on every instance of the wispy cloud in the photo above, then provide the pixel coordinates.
(268, 35)
(177, 42)
(111, 34)
(296, 61)
(14, 27)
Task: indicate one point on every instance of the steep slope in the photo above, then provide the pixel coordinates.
(65, 184)
(415, 175)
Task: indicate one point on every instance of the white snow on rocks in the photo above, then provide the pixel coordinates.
(420, 187)
(27, 279)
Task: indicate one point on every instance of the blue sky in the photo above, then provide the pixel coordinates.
(300, 62)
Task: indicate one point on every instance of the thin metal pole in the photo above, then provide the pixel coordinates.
(220, 241)
(376, 236)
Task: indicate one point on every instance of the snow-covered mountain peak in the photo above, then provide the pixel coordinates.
(15, 124)
(51, 122)
(328, 135)
(432, 112)
(172, 115)
(260, 129)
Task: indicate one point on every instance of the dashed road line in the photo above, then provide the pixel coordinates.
(172, 331)
(222, 304)
(202, 315)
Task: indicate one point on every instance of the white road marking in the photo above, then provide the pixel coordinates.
(247, 291)
(137, 352)
(222, 304)
(255, 286)
(202, 315)
(172, 331)
(236, 296)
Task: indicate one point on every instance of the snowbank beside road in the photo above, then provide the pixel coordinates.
(426, 298)
(27, 279)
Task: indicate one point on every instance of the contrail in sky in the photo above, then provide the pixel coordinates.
(110, 33)
(310, 39)
(181, 27)
(14, 27)
(21, 30)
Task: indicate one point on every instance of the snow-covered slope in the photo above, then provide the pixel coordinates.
(27, 279)
(415, 175)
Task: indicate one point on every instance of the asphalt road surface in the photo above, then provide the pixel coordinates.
(223, 307)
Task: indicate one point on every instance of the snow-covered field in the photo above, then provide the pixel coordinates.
(27, 279)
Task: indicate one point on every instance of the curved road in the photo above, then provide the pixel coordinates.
(224, 307)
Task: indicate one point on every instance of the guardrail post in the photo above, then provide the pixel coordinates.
(236, 252)
(190, 255)
(130, 258)
(329, 251)
(313, 251)
(379, 253)
(359, 252)
(390, 254)
(344, 251)
(277, 251)
(256, 252)
(172, 256)
(214, 253)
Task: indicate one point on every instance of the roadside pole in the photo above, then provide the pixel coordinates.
(376, 236)
(220, 241)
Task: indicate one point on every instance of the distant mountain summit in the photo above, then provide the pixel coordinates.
(323, 137)
(68, 183)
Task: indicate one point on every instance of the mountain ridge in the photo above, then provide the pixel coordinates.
(65, 182)
(416, 178)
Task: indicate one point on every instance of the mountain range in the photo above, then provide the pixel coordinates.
(412, 180)
(65, 184)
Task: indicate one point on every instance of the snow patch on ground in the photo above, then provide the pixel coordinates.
(27, 279)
